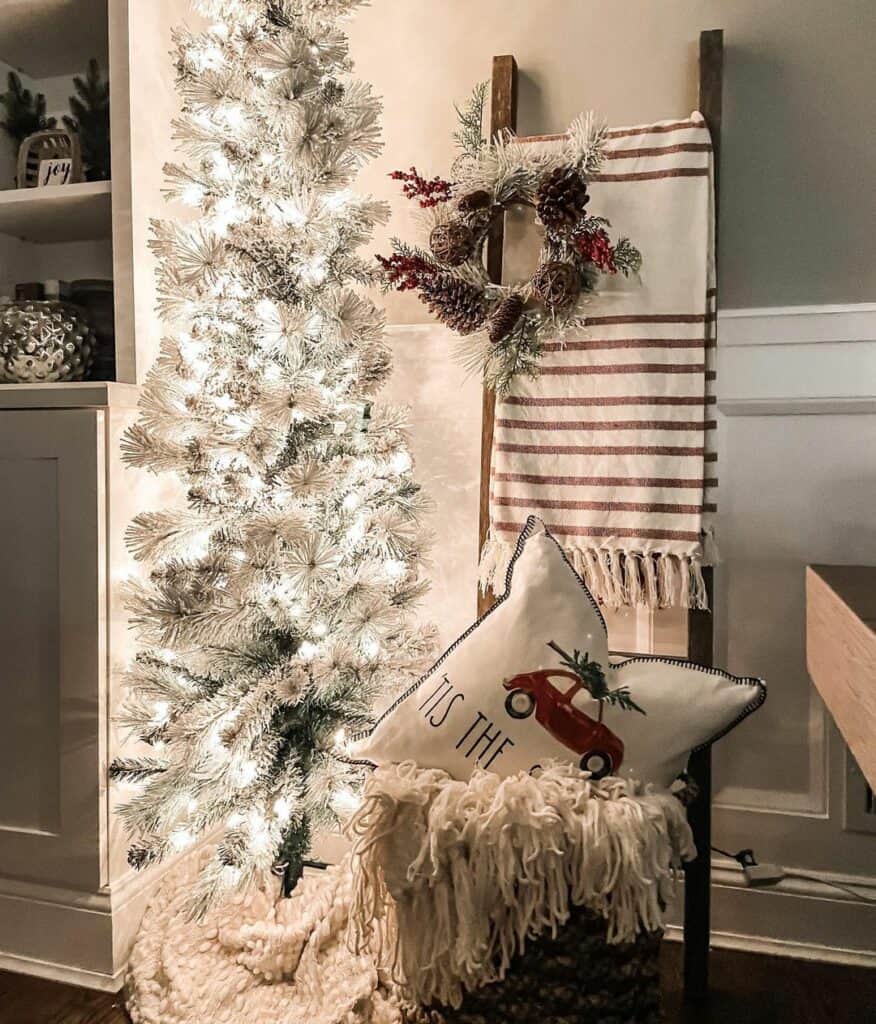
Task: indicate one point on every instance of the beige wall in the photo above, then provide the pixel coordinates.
(799, 145)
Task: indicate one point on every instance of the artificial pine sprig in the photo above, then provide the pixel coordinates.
(593, 678)
(25, 112)
(469, 137)
(90, 119)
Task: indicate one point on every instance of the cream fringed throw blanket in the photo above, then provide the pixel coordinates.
(452, 878)
(446, 882)
(612, 445)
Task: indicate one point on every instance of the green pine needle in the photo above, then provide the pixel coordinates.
(592, 676)
(25, 113)
(469, 135)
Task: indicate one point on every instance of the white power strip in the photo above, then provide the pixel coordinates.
(762, 874)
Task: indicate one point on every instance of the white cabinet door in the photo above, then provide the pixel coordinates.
(52, 648)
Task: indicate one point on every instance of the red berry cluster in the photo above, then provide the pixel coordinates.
(405, 272)
(430, 193)
(595, 247)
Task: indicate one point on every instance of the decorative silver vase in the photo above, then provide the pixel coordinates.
(42, 342)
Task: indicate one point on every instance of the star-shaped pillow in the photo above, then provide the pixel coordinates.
(532, 680)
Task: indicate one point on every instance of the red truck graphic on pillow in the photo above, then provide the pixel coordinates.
(549, 693)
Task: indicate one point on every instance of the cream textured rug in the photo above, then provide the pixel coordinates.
(447, 881)
(260, 959)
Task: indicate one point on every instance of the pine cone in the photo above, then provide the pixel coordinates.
(455, 303)
(504, 317)
(557, 284)
(561, 198)
(472, 201)
(452, 242)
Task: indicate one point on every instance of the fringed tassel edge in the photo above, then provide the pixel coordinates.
(616, 578)
(452, 879)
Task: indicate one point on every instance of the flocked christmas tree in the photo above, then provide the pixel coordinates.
(278, 600)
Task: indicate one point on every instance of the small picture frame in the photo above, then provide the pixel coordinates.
(57, 171)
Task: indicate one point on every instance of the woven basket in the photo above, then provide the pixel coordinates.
(577, 978)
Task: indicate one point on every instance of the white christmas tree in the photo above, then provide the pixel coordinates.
(278, 602)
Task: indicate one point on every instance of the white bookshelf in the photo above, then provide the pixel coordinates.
(94, 229)
(69, 903)
(81, 212)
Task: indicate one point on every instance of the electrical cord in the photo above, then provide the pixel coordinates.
(748, 863)
(836, 885)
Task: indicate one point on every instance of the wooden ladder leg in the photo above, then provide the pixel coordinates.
(698, 873)
(503, 115)
(697, 878)
(697, 883)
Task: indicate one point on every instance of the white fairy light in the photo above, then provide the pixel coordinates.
(370, 647)
(282, 809)
(233, 115)
(181, 838)
(315, 271)
(230, 876)
(336, 201)
(400, 462)
(395, 568)
(267, 310)
(245, 773)
(288, 211)
(259, 835)
(320, 629)
(351, 502)
(308, 651)
(221, 166)
(193, 194)
(340, 739)
(160, 712)
(357, 530)
(345, 802)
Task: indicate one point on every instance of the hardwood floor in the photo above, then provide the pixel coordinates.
(745, 988)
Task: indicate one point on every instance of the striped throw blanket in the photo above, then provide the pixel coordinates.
(612, 444)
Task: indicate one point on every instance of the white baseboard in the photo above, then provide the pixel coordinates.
(73, 936)
(63, 973)
(782, 947)
(800, 918)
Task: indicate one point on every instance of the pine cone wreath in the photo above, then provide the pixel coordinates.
(504, 317)
(455, 303)
(452, 242)
(561, 198)
(557, 284)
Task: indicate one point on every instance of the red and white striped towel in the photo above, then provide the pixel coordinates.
(612, 443)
